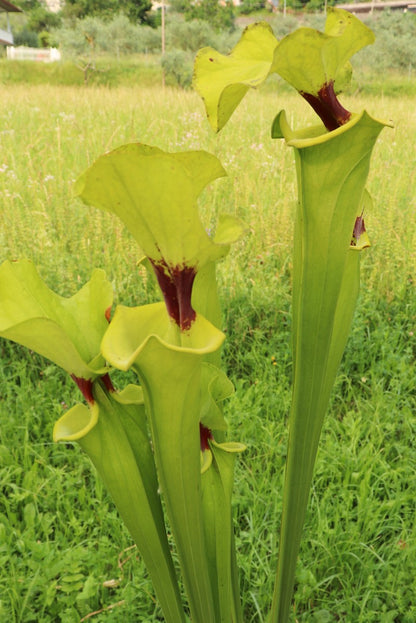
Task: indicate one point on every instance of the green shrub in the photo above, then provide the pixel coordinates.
(149, 40)
(82, 38)
(26, 37)
(395, 46)
(220, 16)
(178, 66)
(192, 35)
(47, 39)
(119, 36)
(251, 6)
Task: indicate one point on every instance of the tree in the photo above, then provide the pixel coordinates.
(251, 6)
(138, 11)
(91, 8)
(41, 20)
(221, 17)
(38, 18)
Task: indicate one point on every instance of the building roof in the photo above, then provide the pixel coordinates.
(367, 7)
(9, 7)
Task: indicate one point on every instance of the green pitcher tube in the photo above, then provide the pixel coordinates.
(332, 169)
(113, 433)
(170, 374)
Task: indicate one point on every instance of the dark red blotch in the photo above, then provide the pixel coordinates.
(205, 436)
(176, 284)
(85, 385)
(327, 106)
(359, 230)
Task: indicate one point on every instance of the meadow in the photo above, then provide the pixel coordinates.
(64, 556)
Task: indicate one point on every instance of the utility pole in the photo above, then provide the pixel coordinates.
(163, 40)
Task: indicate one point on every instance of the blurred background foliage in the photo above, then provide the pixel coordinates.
(95, 30)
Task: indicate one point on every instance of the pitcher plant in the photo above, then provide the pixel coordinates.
(161, 446)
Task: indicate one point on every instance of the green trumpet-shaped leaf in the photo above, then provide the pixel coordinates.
(317, 63)
(215, 387)
(205, 299)
(68, 331)
(169, 366)
(113, 432)
(229, 229)
(217, 484)
(223, 80)
(204, 293)
(332, 169)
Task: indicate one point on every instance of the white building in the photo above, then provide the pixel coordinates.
(6, 36)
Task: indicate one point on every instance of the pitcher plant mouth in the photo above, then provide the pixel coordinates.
(318, 134)
(76, 423)
(132, 328)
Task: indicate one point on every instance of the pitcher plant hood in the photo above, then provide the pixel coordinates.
(154, 193)
(315, 63)
(68, 331)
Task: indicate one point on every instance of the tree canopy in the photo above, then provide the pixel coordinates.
(136, 10)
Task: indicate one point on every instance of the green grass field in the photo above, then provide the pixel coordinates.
(64, 557)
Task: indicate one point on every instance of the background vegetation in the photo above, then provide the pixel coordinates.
(102, 45)
(64, 557)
